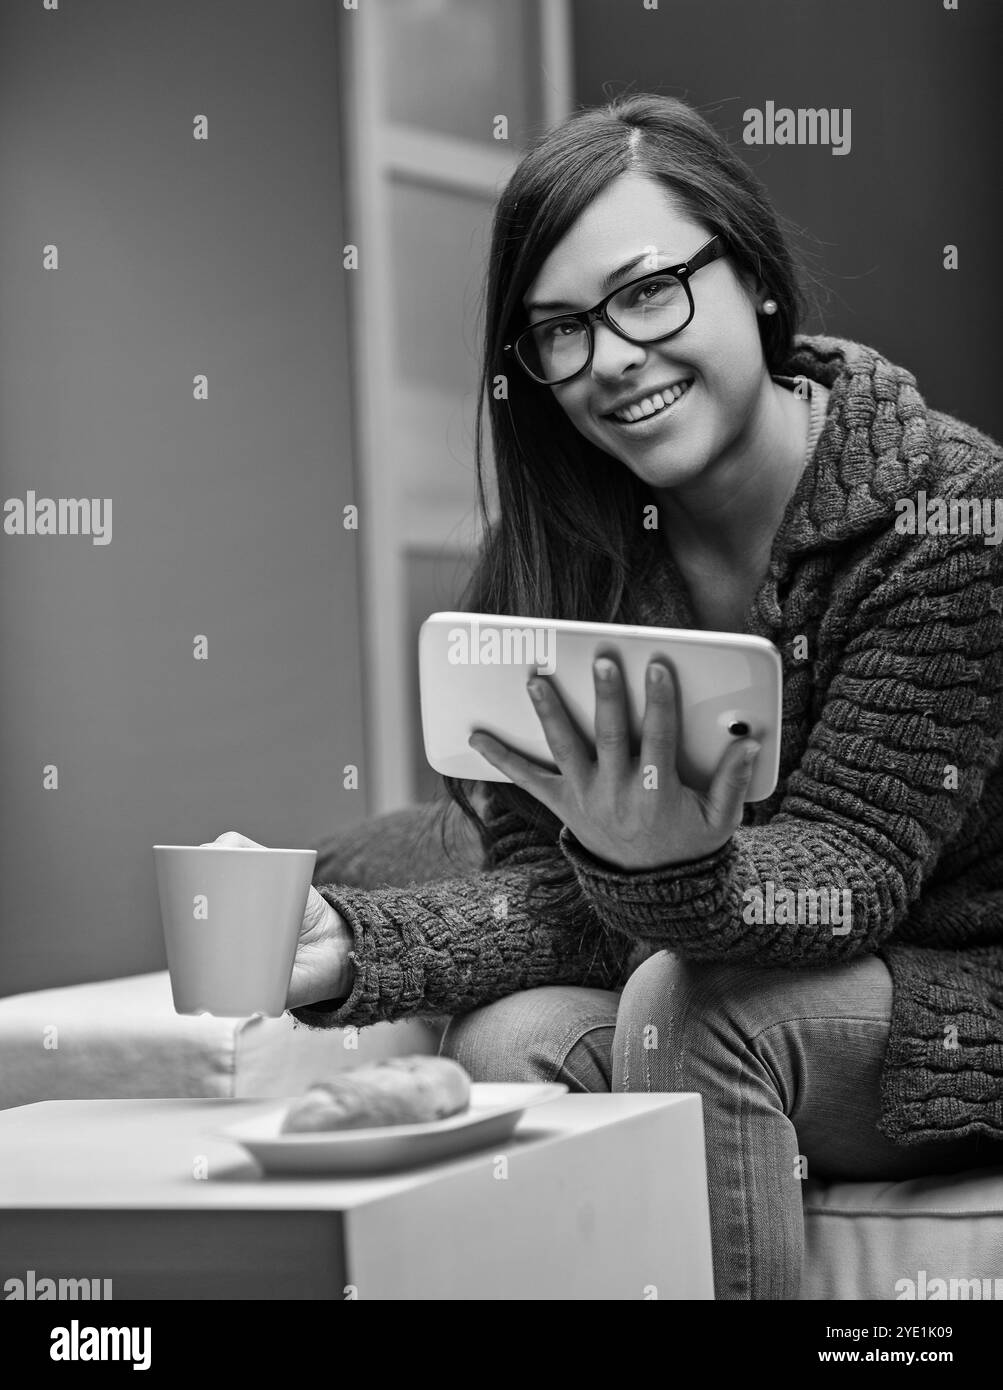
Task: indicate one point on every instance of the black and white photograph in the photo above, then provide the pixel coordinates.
(502, 613)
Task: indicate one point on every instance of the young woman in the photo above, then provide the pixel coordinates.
(642, 359)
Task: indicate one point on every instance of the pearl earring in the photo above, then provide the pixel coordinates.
(769, 306)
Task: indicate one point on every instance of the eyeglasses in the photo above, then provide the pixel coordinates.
(647, 310)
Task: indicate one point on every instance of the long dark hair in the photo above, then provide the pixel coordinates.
(568, 514)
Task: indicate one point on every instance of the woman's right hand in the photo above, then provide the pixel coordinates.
(322, 969)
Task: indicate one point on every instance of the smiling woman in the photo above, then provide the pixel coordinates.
(670, 451)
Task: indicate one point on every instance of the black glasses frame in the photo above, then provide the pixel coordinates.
(711, 250)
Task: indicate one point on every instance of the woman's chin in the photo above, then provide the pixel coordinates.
(659, 469)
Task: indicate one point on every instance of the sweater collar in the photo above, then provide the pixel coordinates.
(873, 449)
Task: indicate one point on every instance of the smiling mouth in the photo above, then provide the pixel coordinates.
(658, 403)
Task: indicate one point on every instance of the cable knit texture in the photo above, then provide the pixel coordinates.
(890, 784)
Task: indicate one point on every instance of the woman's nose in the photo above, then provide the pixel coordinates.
(611, 353)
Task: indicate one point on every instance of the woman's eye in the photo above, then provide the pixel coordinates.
(563, 329)
(655, 291)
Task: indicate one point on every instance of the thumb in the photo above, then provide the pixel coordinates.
(725, 801)
(316, 910)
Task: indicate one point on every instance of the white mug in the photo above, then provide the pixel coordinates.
(231, 918)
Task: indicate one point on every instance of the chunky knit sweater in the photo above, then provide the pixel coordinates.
(891, 784)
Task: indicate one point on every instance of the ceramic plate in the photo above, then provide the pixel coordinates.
(493, 1113)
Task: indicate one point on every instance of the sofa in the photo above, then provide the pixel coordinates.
(121, 1038)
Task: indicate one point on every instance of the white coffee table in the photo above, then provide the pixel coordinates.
(605, 1198)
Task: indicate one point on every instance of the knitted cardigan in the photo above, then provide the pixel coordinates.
(890, 785)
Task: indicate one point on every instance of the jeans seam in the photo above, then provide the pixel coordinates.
(572, 1038)
(746, 1205)
(815, 1018)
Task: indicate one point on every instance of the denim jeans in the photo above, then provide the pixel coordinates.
(787, 1063)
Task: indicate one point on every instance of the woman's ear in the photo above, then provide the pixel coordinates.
(752, 285)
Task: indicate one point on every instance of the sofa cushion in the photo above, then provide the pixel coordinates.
(891, 1240)
(122, 1039)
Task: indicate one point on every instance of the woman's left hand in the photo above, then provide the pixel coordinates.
(634, 813)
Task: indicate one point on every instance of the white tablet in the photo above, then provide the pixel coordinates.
(473, 669)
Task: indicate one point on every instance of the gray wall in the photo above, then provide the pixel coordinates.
(926, 102)
(175, 257)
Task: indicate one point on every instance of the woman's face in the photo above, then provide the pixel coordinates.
(719, 352)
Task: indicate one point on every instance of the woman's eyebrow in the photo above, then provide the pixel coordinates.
(607, 283)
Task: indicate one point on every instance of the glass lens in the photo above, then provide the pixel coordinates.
(651, 308)
(555, 350)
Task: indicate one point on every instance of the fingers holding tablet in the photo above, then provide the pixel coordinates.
(717, 692)
(631, 812)
(570, 752)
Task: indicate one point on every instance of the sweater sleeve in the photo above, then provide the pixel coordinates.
(908, 734)
(451, 945)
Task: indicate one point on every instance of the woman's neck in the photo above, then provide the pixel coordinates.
(727, 518)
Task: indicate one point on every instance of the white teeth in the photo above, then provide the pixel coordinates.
(652, 404)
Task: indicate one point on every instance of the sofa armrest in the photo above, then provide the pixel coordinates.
(121, 1039)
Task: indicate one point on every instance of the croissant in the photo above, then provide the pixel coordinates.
(392, 1091)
